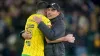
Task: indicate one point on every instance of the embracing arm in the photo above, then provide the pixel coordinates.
(68, 38)
(55, 41)
(52, 33)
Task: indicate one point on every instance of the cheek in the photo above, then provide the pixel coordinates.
(47, 13)
(53, 14)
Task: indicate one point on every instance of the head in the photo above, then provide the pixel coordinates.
(41, 7)
(53, 10)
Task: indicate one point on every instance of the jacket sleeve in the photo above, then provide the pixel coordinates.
(52, 33)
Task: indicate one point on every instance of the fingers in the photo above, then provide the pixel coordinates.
(27, 35)
(73, 38)
(37, 19)
(70, 35)
(70, 38)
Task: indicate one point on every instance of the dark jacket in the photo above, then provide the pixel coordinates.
(56, 31)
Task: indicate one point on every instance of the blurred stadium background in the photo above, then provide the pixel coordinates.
(82, 17)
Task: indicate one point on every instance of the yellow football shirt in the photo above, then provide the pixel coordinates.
(34, 46)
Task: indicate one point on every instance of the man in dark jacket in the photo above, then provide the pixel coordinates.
(56, 31)
(53, 47)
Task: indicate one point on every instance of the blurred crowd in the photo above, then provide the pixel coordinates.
(82, 19)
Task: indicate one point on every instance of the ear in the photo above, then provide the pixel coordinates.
(59, 12)
(45, 12)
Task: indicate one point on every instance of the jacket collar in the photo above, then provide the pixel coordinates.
(59, 17)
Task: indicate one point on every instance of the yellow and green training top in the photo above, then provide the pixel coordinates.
(34, 46)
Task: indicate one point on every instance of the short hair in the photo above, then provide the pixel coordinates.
(41, 5)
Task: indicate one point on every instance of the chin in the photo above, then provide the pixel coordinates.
(49, 17)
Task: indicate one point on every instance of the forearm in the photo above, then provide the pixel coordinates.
(55, 41)
(46, 30)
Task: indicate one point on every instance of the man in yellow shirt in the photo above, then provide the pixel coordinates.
(35, 45)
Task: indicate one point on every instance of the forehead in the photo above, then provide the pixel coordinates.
(51, 8)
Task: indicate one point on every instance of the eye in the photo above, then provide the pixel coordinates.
(48, 9)
(53, 9)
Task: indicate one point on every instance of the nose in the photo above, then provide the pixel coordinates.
(49, 12)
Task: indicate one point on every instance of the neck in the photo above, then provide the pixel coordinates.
(39, 12)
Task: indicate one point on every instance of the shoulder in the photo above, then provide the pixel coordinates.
(39, 15)
(44, 18)
(30, 18)
(60, 21)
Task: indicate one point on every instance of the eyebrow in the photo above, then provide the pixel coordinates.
(53, 9)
